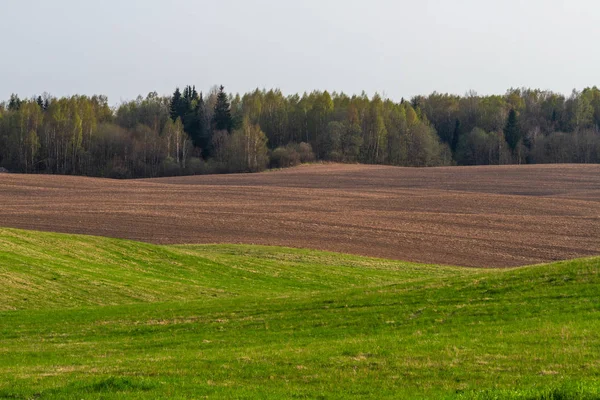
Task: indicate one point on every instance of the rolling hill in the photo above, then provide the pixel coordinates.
(93, 317)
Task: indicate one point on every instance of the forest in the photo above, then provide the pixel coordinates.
(217, 132)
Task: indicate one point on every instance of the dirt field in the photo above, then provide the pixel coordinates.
(472, 216)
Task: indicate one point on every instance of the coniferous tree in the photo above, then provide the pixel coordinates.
(81, 135)
(222, 120)
(189, 106)
(191, 121)
(203, 138)
(512, 132)
(175, 106)
(185, 103)
(14, 103)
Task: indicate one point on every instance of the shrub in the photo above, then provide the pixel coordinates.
(306, 152)
(284, 157)
(170, 167)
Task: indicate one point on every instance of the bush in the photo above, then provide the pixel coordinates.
(284, 157)
(170, 167)
(116, 171)
(196, 166)
(306, 152)
(291, 155)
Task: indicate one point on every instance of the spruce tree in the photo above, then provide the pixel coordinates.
(222, 117)
(14, 103)
(512, 132)
(185, 105)
(175, 105)
(203, 134)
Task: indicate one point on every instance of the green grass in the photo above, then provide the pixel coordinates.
(88, 317)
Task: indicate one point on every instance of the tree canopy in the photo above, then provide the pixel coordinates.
(191, 132)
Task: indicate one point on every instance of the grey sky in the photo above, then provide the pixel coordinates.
(123, 48)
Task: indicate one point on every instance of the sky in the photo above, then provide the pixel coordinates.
(398, 48)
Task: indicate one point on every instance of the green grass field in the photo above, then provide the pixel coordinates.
(87, 317)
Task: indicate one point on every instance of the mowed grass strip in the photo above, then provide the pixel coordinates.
(87, 317)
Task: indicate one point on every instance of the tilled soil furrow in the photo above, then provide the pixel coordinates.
(471, 216)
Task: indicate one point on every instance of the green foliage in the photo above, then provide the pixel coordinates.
(176, 105)
(222, 120)
(247, 149)
(189, 107)
(284, 157)
(512, 131)
(351, 142)
(330, 143)
(577, 147)
(430, 130)
(305, 151)
(89, 317)
(443, 112)
(481, 148)
(291, 155)
(14, 103)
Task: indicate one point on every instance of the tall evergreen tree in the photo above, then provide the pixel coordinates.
(14, 103)
(222, 120)
(175, 105)
(512, 131)
(191, 120)
(185, 104)
(203, 138)
(190, 108)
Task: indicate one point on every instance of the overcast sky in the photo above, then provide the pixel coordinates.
(400, 48)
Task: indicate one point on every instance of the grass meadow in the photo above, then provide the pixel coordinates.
(98, 318)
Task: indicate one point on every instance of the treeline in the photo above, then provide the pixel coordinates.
(193, 133)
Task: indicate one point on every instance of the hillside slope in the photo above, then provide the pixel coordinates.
(42, 270)
(88, 317)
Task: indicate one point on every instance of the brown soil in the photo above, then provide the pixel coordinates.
(471, 216)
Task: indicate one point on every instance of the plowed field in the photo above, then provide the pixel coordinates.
(471, 216)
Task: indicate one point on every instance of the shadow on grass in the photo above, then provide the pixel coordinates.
(112, 384)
